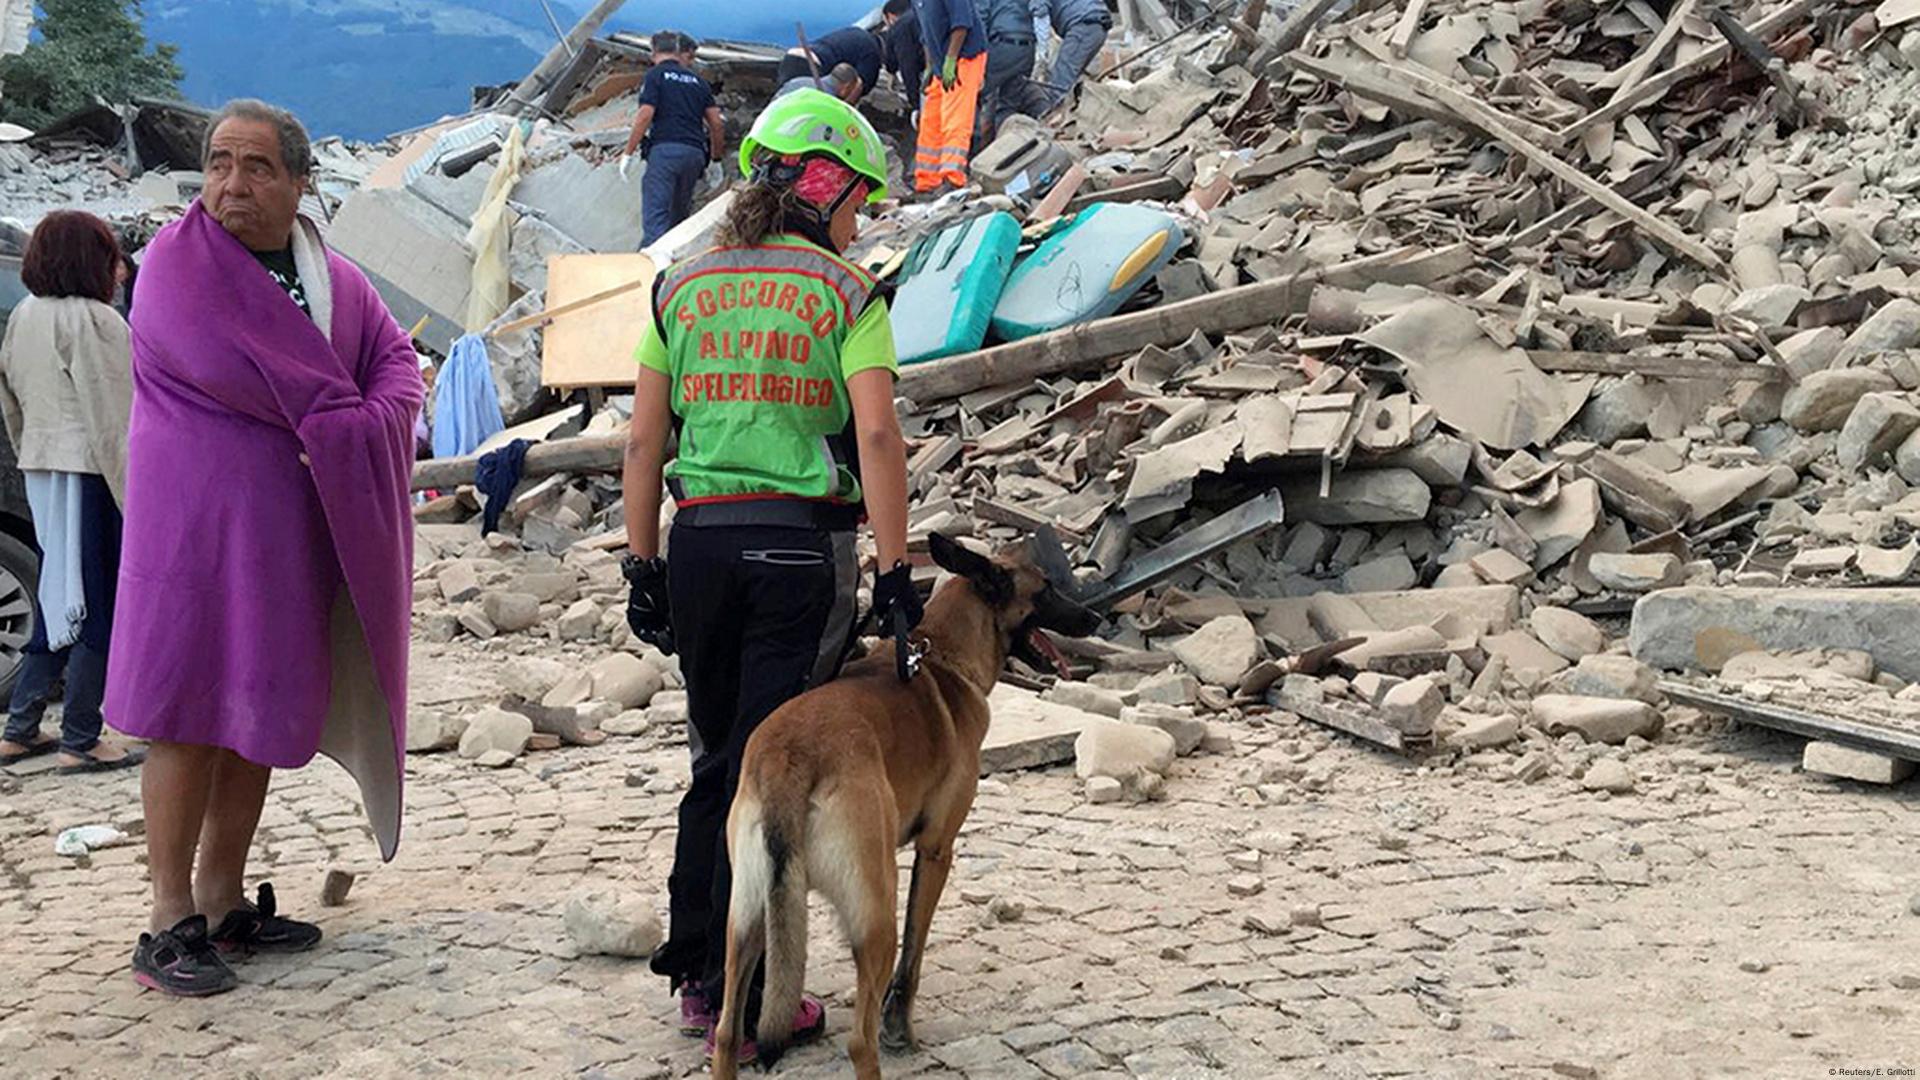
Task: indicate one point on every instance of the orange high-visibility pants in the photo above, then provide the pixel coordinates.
(946, 127)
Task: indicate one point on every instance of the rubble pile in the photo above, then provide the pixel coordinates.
(1527, 310)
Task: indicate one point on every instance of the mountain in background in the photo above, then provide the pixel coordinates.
(364, 69)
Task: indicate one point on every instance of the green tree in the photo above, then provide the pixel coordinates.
(86, 49)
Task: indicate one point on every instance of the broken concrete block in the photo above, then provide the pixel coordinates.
(495, 729)
(1360, 498)
(1759, 403)
(1636, 573)
(1619, 411)
(1188, 731)
(1484, 732)
(1813, 350)
(603, 923)
(1848, 763)
(1089, 698)
(1308, 545)
(1823, 400)
(1171, 687)
(1877, 426)
(1372, 686)
(428, 732)
(1906, 459)
(1770, 305)
(1887, 565)
(1611, 676)
(1895, 326)
(1670, 628)
(1558, 528)
(1122, 751)
(1523, 653)
(510, 612)
(1568, 633)
(1347, 552)
(1499, 566)
(1825, 560)
(1104, 789)
(459, 582)
(1221, 651)
(626, 680)
(1458, 576)
(581, 621)
(1413, 706)
(1609, 775)
(1391, 573)
(1602, 720)
(1440, 459)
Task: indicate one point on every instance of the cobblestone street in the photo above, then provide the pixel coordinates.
(1734, 918)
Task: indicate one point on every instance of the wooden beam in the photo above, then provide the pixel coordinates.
(1663, 232)
(1657, 87)
(544, 317)
(1169, 324)
(585, 453)
(1655, 366)
(1292, 32)
(1409, 25)
(1627, 79)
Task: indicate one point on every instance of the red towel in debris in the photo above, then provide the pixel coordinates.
(264, 602)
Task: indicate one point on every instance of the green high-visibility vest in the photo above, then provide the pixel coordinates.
(758, 343)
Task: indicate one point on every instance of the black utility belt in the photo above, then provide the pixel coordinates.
(1016, 42)
(780, 513)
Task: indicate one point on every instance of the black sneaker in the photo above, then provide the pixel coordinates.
(258, 929)
(182, 961)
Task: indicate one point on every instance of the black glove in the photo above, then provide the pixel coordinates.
(649, 612)
(896, 611)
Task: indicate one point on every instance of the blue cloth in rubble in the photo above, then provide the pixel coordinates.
(496, 476)
(466, 407)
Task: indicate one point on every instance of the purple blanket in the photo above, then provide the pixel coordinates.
(244, 568)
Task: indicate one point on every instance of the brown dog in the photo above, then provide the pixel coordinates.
(839, 778)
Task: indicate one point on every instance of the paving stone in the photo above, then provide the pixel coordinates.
(1846, 762)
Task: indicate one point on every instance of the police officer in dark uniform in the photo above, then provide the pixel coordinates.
(679, 133)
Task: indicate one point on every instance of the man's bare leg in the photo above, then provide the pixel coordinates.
(237, 796)
(175, 784)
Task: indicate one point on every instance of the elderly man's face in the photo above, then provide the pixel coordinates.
(249, 190)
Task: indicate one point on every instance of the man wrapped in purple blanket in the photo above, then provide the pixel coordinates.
(265, 585)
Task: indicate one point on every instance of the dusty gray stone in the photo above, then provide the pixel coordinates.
(581, 622)
(1906, 459)
(432, 731)
(1413, 706)
(1769, 305)
(1813, 350)
(495, 759)
(1568, 633)
(1104, 789)
(1171, 687)
(1221, 651)
(1833, 759)
(1619, 411)
(459, 582)
(1088, 698)
(1122, 751)
(1374, 496)
(1895, 326)
(626, 680)
(1188, 731)
(1608, 775)
(1604, 720)
(530, 677)
(603, 923)
(1823, 400)
(510, 612)
(1390, 573)
(1669, 628)
(1877, 426)
(631, 722)
(1636, 573)
(1611, 676)
(495, 729)
(1482, 732)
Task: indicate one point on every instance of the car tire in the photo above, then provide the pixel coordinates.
(19, 576)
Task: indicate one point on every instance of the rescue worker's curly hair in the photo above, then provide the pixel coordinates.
(758, 211)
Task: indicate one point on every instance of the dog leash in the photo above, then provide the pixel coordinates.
(908, 655)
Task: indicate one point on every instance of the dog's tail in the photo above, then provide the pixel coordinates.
(769, 906)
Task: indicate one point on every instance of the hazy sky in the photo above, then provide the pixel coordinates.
(751, 20)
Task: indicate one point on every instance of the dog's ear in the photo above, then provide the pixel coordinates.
(994, 584)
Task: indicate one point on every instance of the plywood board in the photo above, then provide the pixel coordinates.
(594, 345)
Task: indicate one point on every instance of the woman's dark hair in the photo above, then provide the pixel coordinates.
(896, 7)
(72, 253)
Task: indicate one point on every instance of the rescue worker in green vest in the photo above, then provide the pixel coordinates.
(772, 357)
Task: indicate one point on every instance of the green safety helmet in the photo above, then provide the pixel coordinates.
(808, 122)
